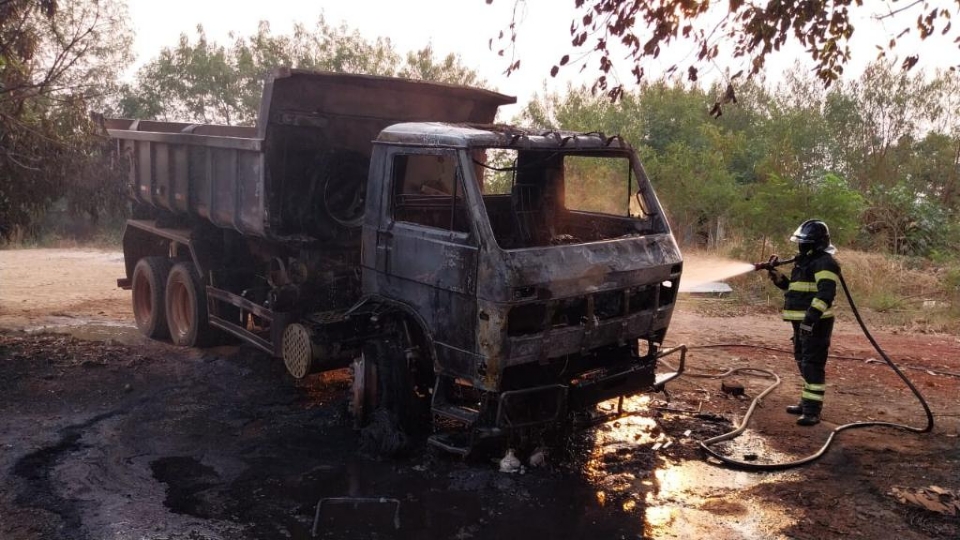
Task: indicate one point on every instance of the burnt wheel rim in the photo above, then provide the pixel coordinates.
(180, 315)
(364, 394)
(142, 299)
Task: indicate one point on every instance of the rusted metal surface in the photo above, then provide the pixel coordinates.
(513, 298)
(550, 280)
(247, 179)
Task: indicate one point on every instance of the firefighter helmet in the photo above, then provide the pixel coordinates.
(813, 235)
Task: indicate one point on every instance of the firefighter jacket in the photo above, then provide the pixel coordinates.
(811, 288)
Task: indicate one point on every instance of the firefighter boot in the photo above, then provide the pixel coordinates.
(795, 409)
(811, 413)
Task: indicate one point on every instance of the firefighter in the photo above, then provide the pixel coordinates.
(808, 306)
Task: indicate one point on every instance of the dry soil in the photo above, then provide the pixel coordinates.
(107, 435)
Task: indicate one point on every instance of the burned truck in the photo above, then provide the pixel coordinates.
(480, 279)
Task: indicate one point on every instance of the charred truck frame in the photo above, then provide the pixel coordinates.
(476, 276)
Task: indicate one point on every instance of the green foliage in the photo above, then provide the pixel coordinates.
(694, 186)
(951, 281)
(597, 184)
(207, 82)
(884, 301)
(864, 157)
(58, 60)
(770, 208)
(833, 201)
(903, 221)
(422, 65)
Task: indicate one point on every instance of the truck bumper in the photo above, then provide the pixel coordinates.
(546, 404)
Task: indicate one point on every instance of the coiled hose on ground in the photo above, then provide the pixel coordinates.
(751, 466)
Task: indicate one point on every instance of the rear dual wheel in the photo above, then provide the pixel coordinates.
(186, 306)
(149, 284)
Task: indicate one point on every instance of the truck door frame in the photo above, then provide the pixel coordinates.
(433, 269)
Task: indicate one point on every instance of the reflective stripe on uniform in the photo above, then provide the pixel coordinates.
(803, 286)
(826, 274)
(819, 305)
(793, 315)
(813, 392)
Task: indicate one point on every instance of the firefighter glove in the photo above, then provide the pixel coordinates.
(778, 279)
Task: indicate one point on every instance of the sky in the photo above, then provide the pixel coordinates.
(463, 27)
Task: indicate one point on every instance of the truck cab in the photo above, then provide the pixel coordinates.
(541, 263)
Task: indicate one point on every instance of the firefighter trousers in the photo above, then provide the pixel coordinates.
(810, 352)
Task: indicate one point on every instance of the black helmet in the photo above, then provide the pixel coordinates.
(813, 235)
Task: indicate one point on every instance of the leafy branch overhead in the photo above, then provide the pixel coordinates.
(738, 34)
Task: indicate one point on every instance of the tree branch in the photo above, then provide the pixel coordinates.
(894, 12)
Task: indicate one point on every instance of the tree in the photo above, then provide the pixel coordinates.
(57, 60)
(897, 143)
(744, 32)
(203, 81)
(422, 65)
(696, 187)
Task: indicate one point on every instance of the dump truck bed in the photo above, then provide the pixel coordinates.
(262, 180)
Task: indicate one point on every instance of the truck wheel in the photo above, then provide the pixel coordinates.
(149, 284)
(186, 306)
(393, 415)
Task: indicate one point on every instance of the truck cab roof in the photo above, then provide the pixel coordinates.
(495, 135)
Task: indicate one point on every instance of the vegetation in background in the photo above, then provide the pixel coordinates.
(58, 61)
(890, 291)
(203, 81)
(878, 158)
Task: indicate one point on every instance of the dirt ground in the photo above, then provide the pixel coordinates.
(107, 435)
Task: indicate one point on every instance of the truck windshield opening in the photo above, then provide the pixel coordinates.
(549, 197)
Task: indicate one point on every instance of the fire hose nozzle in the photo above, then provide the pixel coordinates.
(772, 263)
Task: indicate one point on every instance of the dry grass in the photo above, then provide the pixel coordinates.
(903, 292)
(106, 237)
(908, 293)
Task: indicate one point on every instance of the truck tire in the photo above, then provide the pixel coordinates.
(149, 284)
(186, 307)
(394, 415)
